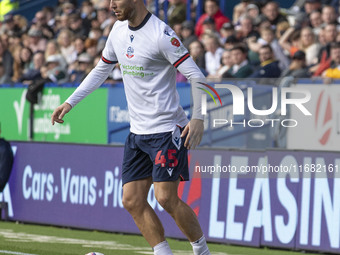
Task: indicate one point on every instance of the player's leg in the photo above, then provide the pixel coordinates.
(137, 171)
(135, 202)
(184, 216)
(170, 164)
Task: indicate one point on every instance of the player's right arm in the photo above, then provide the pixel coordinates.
(92, 81)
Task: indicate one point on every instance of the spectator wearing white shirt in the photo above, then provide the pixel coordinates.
(213, 53)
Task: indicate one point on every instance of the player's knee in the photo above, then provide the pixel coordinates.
(132, 203)
(167, 202)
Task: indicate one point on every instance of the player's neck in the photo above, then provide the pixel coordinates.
(139, 17)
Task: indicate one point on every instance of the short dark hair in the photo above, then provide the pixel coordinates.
(241, 48)
(267, 46)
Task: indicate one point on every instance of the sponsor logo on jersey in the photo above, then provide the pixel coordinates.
(174, 41)
(129, 52)
(132, 37)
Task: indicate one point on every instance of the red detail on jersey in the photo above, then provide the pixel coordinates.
(175, 42)
(130, 56)
(107, 61)
(181, 60)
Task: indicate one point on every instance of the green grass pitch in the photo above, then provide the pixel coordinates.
(27, 239)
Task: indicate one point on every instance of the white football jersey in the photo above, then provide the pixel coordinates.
(148, 56)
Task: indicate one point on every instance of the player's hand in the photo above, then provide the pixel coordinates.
(194, 129)
(59, 113)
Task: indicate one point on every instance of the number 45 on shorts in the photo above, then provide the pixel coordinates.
(163, 160)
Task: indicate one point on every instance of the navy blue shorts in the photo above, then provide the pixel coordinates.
(162, 156)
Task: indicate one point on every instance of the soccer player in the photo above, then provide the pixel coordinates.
(149, 52)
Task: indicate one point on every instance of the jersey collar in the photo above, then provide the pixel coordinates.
(147, 17)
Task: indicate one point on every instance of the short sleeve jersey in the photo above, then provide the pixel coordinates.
(148, 56)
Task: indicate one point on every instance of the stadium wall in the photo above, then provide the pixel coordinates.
(290, 199)
(102, 117)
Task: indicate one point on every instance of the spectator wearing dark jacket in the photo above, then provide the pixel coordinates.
(241, 67)
(269, 67)
(297, 68)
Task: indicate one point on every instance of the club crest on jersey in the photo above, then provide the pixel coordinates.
(129, 52)
(174, 41)
(132, 37)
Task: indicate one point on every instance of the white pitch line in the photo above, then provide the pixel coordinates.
(14, 252)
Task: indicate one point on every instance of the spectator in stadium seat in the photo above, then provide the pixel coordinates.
(4, 78)
(309, 45)
(91, 47)
(34, 72)
(241, 67)
(226, 31)
(62, 22)
(271, 10)
(209, 28)
(324, 59)
(213, 53)
(188, 33)
(211, 10)
(83, 67)
(8, 25)
(79, 45)
(68, 8)
(252, 10)
(36, 41)
(26, 57)
(95, 33)
(66, 47)
(17, 65)
(297, 67)
(78, 26)
(328, 15)
(40, 23)
(268, 37)
(334, 70)
(290, 40)
(281, 28)
(54, 72)
(269, 67)
(60, 4)
(226, 64)
(196, 50)
(104, 17)
(50, 16)
(176, 12)
(315, 21)
(240, 10)
(87, 10)
(14, 41)
(246, 29)
(230, 42)
(6, 59)
(312, 5)
(52, 48)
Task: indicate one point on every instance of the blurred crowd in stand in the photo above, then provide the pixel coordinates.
(261, 40)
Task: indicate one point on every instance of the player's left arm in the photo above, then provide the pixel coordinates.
(195, 127)
(173, 50)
